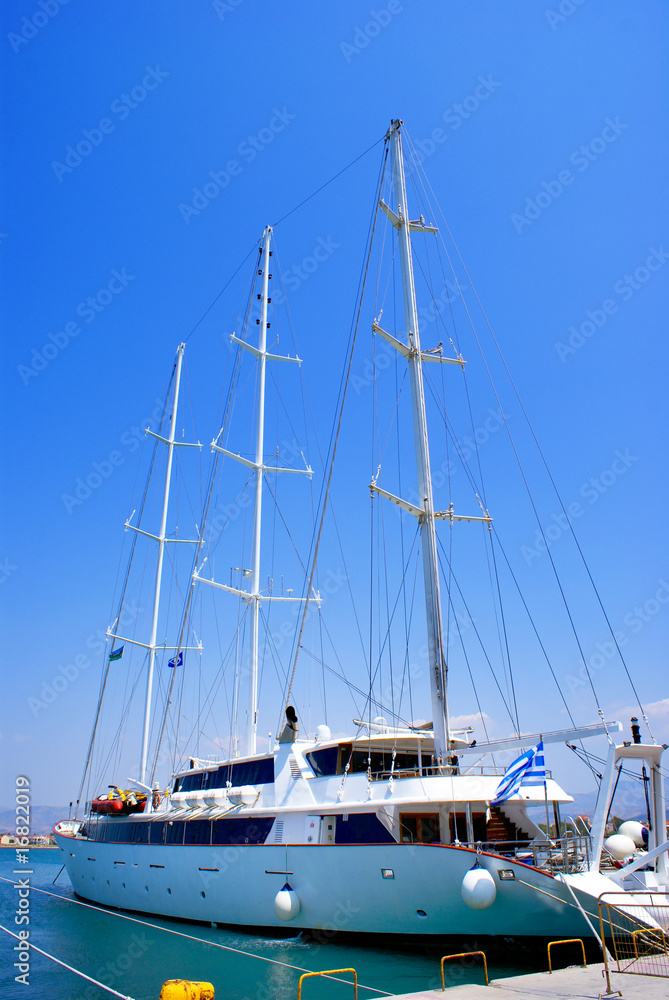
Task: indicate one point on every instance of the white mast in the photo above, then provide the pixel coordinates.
(254, 592)
(424, 511)
(159, 570)
(254, 596)
(162, 540)
(436, 651)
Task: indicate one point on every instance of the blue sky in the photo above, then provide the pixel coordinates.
(544, 136)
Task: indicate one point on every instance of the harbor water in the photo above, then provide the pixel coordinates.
(135, 957)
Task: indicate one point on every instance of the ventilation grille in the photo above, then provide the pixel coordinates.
(294, 769)
(278, 831)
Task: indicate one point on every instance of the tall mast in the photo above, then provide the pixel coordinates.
(159, 570)
(162, 540)
(254, 592)
(436, 652)
(255, 596)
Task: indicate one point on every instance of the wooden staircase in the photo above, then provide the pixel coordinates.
(499, 828)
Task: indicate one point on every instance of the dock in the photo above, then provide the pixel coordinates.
(587, 983)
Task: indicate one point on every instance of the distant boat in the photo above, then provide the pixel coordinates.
(400, 829)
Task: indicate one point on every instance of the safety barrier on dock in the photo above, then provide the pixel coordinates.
(330, 972)
(464, 954)
(552, 944)
(634, 925)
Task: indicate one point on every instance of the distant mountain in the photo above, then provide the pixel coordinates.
(42, 818)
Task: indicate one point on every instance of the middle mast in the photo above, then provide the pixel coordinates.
(254, 596)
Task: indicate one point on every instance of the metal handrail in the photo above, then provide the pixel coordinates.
(330, 972)
(464, 954)
(566, 941)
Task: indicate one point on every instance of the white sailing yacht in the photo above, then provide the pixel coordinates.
(398, 829)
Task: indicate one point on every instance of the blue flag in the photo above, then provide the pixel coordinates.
(116, 654)
(528, 769)
(176, 661)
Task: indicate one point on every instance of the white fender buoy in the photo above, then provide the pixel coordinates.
(286, 903)
(634, 831)
(478, 888)
(619, 846)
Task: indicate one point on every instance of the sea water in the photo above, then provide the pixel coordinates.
(136, 958)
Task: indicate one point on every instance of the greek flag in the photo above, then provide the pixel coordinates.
(176, 661)
(528, 769)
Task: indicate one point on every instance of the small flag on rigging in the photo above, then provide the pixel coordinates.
(116, 654)
(176, 661)
(528, 769)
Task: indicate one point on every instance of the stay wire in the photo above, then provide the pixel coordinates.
(334, 178)
(337, 428)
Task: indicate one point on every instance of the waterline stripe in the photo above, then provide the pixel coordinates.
(190, 937)
(29, 944)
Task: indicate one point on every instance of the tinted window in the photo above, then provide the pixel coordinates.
(198, 831)
(174, 833)
(324, 762)
(253, 830)
(246, 772)
(157, 832)
(361, 828)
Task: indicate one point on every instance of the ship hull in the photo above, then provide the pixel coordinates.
(340, 888)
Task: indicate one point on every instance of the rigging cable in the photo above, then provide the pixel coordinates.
(550, 477)
(337, 428)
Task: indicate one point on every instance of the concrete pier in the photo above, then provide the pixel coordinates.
(588, 983)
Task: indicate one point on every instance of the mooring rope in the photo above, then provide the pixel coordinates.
(29, 944)
(190, 937)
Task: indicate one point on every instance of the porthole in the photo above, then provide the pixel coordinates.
(421, 913)
(204, 895)
(123, 884)
(108, 883)
(146, 888)
(169, 892)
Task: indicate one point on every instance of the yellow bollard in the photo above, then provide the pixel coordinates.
(183, 989)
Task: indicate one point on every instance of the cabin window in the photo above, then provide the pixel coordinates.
(333, 760)
(174, 832)
(419, 828)
(246, 772)
(157, 833)
(458, 827)
(324, 762)
(198, 831)
(361, 828)
(241, 831)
